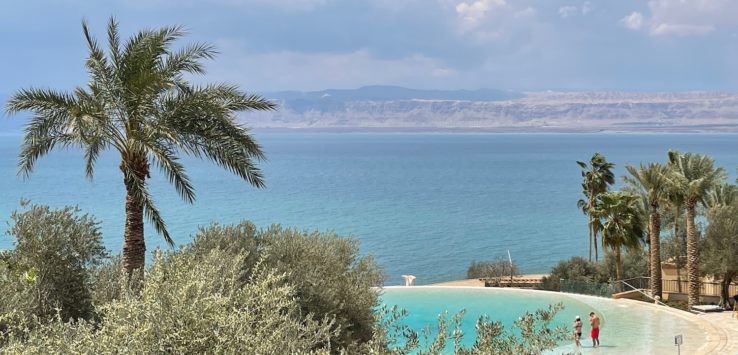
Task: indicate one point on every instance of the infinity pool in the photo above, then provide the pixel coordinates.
(627, 327)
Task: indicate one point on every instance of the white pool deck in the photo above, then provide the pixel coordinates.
(721, 328)
(725, 337)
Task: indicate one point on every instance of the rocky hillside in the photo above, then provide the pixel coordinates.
(494, 110)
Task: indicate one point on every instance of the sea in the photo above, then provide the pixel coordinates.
(426, 204)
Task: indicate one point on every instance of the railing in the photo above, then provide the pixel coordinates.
(637, 285)
(706, 288)
(640, 284)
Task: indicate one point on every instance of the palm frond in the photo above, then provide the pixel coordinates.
(168, 162)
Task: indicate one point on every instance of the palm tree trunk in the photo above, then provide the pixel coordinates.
(724, 288)
(134, 246)
(589, 230)
(618, 267)
(693, 273)
(654, 230)
(594, 242)
(677, 262)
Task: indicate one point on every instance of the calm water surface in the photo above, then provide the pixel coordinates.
(626, 327)
(424, 204)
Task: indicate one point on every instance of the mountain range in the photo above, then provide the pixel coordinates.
(397, 108)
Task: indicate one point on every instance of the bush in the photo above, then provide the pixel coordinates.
(192, 306)
(500, 267)
(49, 270)
(233, 290)
(575, 269)
(533, 334)
(108, 281)
(330, 278)
(635, 264)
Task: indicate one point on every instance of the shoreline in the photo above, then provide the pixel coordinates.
(479, 283)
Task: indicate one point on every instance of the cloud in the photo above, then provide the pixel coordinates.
(685, 17)
(567, 11)
(471, 14)
(570, 10)
(586, 8)
(490, 21)
(634, 21)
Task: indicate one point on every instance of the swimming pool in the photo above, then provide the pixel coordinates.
(628, 327)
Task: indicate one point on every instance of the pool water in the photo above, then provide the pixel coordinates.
(626, 327)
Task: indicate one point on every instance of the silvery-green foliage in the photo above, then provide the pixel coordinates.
(49, 268)
(330, 277)
(108, 281)
(192, 306)
(533, 335)
(391, 337)
(17, 307)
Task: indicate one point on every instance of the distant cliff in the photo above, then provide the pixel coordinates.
(384, 107)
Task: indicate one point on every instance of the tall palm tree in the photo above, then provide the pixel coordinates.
(622, 224)
(723, 195)
(651, 181)
(675, 198)
(695, 175)
(139, 103)
(596, 176)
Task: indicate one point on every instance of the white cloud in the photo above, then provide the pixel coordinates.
(685, 17)
(634, 21)
(471, 14)
(487, 21)
(568, 11)
(586, 8)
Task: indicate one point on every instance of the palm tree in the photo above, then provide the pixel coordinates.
(675, 198)
(651, 181)
(138, 102)
(596, 176)
(723, 195)
(695, 175)
(622, 224)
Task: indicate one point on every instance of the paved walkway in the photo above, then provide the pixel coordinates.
(726, 332)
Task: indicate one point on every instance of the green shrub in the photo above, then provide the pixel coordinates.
(108, 281)
(48, 271)
(192, 306)
(575, 269)
(532, 334)
(500, 267)
(330, 277)
(635, 264)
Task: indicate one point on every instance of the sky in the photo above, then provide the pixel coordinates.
(526, 45)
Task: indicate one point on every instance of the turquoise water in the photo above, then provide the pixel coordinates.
(424, 204)
(626, 328)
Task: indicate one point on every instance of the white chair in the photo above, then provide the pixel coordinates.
(409, 279)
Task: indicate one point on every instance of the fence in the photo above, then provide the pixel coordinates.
(642, 283)
(706, 288)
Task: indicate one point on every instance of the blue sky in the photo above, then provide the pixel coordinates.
(269, 45)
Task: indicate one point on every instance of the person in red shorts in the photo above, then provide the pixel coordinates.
(594, 322)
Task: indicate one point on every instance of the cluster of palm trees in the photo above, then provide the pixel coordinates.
(683, 183)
